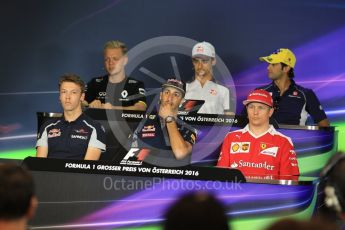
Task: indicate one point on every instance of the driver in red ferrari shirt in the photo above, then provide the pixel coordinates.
(258, 148)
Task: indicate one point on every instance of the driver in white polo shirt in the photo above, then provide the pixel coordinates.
(204, 87)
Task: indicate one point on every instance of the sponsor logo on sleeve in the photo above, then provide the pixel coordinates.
(54, 133)
(142, 91)
(293, 158)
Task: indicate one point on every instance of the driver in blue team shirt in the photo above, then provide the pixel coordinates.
(292, 103)
(163, 139)
(75, 135)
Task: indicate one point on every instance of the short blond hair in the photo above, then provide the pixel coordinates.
(116, 44)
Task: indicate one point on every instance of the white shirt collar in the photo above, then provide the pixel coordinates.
(270, 130)
(197, 82)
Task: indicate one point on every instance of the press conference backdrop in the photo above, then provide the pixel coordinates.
(41, 40)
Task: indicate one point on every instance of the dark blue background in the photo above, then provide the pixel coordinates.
(41, 40)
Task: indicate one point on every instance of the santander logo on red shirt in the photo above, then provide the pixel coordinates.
(260, 165)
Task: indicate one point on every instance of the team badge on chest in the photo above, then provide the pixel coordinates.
(268, 149)
(148, 131)
(263, 146)
(148, 128)
(272, 151)
(213, 92)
